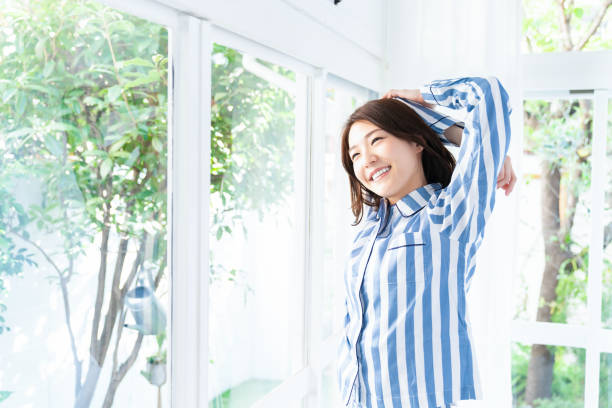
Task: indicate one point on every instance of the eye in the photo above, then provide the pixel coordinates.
(353, 156)
(376, 138)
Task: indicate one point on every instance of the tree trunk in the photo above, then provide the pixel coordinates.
(541, 363)
(83, 400)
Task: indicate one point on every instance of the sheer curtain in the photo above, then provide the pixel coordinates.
(447, 39)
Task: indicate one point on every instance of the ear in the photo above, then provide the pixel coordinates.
(418, 147)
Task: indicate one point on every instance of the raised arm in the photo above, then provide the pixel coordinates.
(464, 206)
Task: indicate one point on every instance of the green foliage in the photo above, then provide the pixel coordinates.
(4, 395)
(252, 146)
(520, 364)
(605, 380)
(82, 127)
(542, 32)
(568, 376)
(557, 402)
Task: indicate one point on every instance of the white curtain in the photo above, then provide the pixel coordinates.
(429, 40)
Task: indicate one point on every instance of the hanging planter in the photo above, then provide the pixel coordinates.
(155, 371)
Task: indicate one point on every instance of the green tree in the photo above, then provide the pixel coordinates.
(560, 133)
(84, 121)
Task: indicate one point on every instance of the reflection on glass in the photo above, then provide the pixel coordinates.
(339, 104)
(561, 386)
(330, 395)
(606, 312)
(554, 212)
(605, 380)
(255, 329)
(84, 301)
(584, 29)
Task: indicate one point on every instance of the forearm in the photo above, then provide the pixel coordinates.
(453, 134)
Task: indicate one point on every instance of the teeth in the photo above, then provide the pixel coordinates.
(380, 173)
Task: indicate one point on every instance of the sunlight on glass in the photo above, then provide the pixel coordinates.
(84, 283)
(255, 329)
(587, 26)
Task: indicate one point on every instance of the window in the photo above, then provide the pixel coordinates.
(256, 323)
(84, 277)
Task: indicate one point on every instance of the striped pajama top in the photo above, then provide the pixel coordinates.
(407, 340)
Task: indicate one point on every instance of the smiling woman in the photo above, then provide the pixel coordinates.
(388, 132)
(387, 165)
(407, 339)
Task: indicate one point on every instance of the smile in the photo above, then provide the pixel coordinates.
(380, 173)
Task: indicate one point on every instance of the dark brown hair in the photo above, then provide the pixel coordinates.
(399, 119)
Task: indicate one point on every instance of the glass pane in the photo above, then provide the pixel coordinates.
(84, 283)
(330, 394)
(554, 212)
(605, 380)
(339, 104)
(606, 312)
(256, 276)
(542, 31)
(547, 376)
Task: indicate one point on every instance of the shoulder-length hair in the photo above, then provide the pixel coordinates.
(399, 119)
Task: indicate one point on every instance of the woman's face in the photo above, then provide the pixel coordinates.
(385, 164)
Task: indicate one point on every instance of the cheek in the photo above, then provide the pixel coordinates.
(358, 170)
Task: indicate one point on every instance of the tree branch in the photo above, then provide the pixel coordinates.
(565, 26)
(594, 25)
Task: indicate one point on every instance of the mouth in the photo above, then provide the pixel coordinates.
(380, 173)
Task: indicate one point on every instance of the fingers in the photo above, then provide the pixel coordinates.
(508, 185)
(390, 94)
(506, 178)
(511, 184)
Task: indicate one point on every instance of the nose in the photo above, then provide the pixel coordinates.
(369, 156)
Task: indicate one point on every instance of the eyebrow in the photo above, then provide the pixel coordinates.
(365, 137)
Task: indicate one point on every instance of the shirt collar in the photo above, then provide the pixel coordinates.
(409, 204)
(416, 199)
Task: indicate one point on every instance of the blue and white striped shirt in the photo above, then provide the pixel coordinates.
(407, 340)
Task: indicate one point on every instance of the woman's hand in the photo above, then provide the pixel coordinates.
(506, 178)
(410, 94)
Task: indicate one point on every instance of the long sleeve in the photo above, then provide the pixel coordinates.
(463, 207)
(436, 121)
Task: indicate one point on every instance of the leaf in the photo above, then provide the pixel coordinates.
(133, 156)
(54, 147)
(90, 101)
(157, 144)
(578, 12)
(21, 103)
(39, 48)
(48, 68)
(118, 144)
(105, 168)
(153, 76)
(8, 94)
(18, 133)
(136, 61)
(113, 93)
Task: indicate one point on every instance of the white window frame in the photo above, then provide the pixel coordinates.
(189, 91)
(575, 75)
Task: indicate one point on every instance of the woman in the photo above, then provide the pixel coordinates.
(407, 339)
